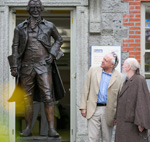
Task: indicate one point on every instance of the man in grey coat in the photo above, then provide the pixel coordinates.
(133, 109)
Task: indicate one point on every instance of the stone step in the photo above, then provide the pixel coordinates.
(38, 139)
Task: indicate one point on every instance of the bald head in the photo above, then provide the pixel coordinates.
(109, 62)
(133, 63)
(114, 59)
(111, 57)
(130, 67)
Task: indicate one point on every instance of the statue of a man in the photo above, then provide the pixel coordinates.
(31, 62)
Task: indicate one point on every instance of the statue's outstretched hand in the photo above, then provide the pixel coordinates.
(14, 72)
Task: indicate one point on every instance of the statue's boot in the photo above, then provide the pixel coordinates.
(28, 117)
(50, 117)
(26, 133)
(52, 132)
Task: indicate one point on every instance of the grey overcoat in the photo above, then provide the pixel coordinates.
(133, 109)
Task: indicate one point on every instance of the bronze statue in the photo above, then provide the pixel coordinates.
(32, 63)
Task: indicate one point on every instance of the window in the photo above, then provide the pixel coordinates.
(145, 39)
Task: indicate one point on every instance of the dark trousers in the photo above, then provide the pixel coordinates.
(43, 82)
(39, 107)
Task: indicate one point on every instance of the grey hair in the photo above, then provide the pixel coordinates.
(115, 59)
(133, 63)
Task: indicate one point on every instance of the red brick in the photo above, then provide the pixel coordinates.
(137, 40)
(131, 7)
(134, 28)
(134, 45)
(137, 32)
(138, 7)
(134, 11)
(125, 45)
(128, 15)
(131, 32)
(128, 49)
(138, 15)
(134, 20)
(128, 24)
(134, 36)
(137, 49)
(134, 3)
(134, 53)
(125, 20)
(128, 40)
(137, 24)
(131, 56)
(138, 57)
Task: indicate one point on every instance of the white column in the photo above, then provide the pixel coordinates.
(4, 73)
(82, 58)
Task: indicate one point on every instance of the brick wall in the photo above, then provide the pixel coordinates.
(132, 21)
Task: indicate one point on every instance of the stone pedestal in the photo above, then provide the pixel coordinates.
(38, 139)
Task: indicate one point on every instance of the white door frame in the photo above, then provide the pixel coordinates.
(73, 119)
(12, 23)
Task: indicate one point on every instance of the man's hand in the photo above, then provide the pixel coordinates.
(83, 112)
(50, 59)
(115, 122)
(14, 71)
(140, 128)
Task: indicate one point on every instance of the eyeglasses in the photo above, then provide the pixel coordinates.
(145, 138)
(115, 56)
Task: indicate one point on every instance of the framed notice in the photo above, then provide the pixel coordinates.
(98, 52)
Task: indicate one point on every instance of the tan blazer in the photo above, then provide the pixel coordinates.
(91, 89)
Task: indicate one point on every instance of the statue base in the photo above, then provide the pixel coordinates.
(38, 139)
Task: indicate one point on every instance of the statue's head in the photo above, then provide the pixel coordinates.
(34, 8)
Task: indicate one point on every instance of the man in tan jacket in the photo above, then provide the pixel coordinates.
(99, 98)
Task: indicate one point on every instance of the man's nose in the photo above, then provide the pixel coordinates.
(35, 8)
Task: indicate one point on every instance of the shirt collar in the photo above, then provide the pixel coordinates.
(27, 22)
(107, 73)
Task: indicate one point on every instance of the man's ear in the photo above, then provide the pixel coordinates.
(129, 67)
(112, 66)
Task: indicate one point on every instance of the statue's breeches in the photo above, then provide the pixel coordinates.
(44, 84)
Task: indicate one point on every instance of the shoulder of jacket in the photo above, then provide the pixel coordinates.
(48, 23)
(95, 68)
(117, 73)
(22, 24)
(139, 78)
